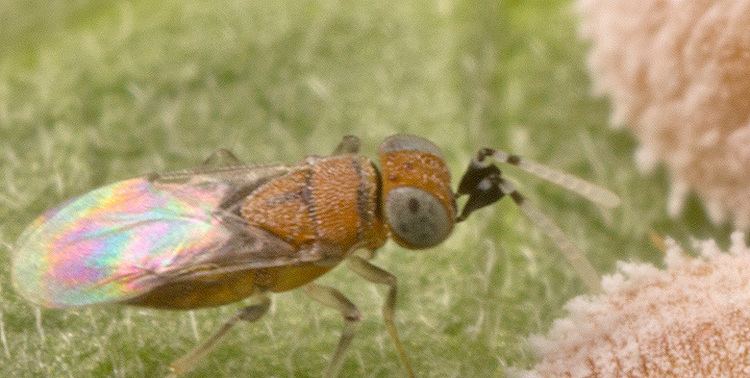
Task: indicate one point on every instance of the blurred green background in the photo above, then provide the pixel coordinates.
(91, 93)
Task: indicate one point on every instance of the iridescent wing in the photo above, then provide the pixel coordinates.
(125, 239)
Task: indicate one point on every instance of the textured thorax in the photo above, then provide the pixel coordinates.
(331, 200)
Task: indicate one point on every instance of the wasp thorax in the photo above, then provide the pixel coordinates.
(418, 204)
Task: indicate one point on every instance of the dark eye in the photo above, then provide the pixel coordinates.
(417, 218)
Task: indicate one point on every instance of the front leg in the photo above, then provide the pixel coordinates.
(348, 145)
(377, 275)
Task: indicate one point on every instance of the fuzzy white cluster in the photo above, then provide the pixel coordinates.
(678, 74)
(691, 319)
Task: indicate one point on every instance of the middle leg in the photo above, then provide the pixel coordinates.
(330, 297)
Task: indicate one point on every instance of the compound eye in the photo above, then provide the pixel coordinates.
(417, 219)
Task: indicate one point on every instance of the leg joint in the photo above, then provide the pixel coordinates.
(391, 280)
(353, 315)
(253, 312)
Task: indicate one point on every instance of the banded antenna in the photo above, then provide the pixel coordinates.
(484, 184)
(585, 189)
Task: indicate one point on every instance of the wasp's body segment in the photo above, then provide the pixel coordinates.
(332, 200)
(224, 231)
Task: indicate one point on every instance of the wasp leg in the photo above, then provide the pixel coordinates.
(377, 275)
(214, 163)
(333, 298)
(221, 158)
(349, 145)
(250, 313)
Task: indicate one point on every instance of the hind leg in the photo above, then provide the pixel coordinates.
(250, 313)
(221, 158)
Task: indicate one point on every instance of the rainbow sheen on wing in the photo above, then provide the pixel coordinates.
(112, 243)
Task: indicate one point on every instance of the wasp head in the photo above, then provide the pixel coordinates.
(418, 204)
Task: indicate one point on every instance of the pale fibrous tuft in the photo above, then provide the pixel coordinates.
(678, 75)
(690, 319)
